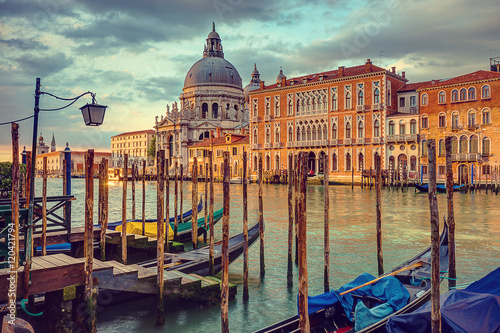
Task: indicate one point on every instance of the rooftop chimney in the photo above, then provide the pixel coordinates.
(218, 132)
(261, 85)
(393, 69)
(403, 74)
(341, 71)
(368, 66)
(283, 81)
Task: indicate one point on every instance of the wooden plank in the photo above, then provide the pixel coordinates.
(45, 264)
(68, 260)
(101, 266)
(121, 269)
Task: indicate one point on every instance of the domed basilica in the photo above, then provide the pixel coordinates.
(212, 100)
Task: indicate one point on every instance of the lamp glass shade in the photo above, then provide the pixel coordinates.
(93, 114)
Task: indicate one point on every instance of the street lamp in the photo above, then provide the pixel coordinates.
(93, 115)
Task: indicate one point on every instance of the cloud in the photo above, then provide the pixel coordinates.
(24, 44)
(43, 66)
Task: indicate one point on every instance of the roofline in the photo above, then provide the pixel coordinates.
(149, 131)
(458, 84)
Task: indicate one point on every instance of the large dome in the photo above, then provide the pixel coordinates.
(213, 70)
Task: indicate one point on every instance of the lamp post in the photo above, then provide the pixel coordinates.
(93, 115)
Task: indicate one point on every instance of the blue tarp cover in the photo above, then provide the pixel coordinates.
(388, 289)
(364, 317)
(474, 309)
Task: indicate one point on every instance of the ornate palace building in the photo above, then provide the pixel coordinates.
(466, 107)
(212, 98)
(340, 113)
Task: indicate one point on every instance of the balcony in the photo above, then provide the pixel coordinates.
(376, 140)
(376, 106)
(333, 142)
(255, 146)
(254, 119)
(360, 108)
(267, 118)
(472, 127)
(402, 138)
(267, 145)
(471, 157)
(276, 145)
(456, 128)
(289, 144)
(347, 142)
(360, 141)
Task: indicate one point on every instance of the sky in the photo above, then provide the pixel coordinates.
(134, 55)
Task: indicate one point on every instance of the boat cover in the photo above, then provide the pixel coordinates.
(474, 309)
(150, 229)
(387, 289)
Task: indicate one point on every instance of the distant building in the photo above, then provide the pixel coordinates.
(41, 147)
(233, 143)
(135, 144)
(467, 108)
(212, 98)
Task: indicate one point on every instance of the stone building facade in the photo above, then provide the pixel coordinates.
(467, 108)
(135, 144)
(340, 113)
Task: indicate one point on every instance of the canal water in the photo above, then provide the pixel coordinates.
(405, 229)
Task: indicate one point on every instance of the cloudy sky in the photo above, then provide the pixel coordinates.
(134, 54)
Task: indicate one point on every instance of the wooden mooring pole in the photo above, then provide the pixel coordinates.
(206, 204)
(166, 177)
(452, 273)
(225, 251)
(134, 171)
(181, 174)
(434, 213)
(88, 245)
(194, 202)
(211, 213)
(245, 228)
(176, 199)
(261, 221)
(124, 209)
(289, 272)
(326, 275)
(143, 196)
(44, 207)
(296, 207)
(14, 232)
(378, 185)
(302, 217)
(103, 205)
(28, 242)
(160, 305)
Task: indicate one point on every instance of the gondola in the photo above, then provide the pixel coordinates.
(328, 314)
(183, 229)
(185, 217)
(440, 188)
(197, 261)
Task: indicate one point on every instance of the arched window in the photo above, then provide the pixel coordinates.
(360, 162)
(314, 103)
(277, 136)
(441, 148)
(413, 126)
(425, 121)
(268, 163)
(277, 162)
(255, 137)
(425, 99)
(204, 110)
(334, 101)
(413, 163)
(348, 163)
(402, 127)
(348, 100)
(472, 93)
(454, 120)
(472, 118)
(348, 131)
(376, 129)
(325, 103)
(454, 145)
(360, 98)
(376, 96)
(255, 163)
(424, 148)
(360, 130)
(486, 116)
(308, 105)
(298, 133)
(334, 162)
(325, 132)
(463, 94)
(442, 120)
(485, 91)
(290, 134)
(314, 132)
(454, 95)
(215, 110)
(308, 133)
(463, 145)
(290, 107)
(486, 146)
(303, 134)
(442, 97)
(334, 131)
(392, 127)
(474, 144)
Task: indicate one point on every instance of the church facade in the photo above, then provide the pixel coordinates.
(212, 99)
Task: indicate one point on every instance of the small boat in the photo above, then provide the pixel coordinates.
(440, 188)
(473, 309)
(197, 261)
(181, 218)
(409, 288)
(183, 229)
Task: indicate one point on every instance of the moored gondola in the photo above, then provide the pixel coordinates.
(338, 311)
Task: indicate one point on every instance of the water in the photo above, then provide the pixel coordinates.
(405, 228)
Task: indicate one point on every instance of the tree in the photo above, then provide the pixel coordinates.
(6, 178)
(152, 147)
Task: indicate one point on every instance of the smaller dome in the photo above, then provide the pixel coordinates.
(255, 70)
(280, 76)
(213, 34)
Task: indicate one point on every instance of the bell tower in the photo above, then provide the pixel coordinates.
(214, 45)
